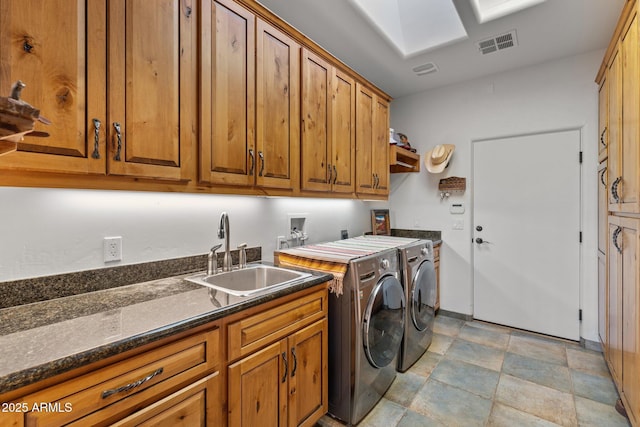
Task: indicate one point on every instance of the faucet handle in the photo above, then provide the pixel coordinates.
(212, 260)
(242, 255)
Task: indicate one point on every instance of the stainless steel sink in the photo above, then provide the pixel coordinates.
(250, 280)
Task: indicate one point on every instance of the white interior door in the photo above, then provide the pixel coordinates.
(526, 203)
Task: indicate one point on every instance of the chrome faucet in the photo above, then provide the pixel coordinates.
(223, 233)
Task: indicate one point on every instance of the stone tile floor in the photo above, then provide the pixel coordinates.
(479, 374)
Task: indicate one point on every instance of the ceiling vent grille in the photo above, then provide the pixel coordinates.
(425, 69)
(500, 42)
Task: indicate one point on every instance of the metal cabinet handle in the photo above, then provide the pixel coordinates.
(96, 138)
(604, 171)
(116, 126)
(375, 180)
(602, 137)
(286, 366)
(132, 385)
(330, 173)
(295, 362)
(335, 174)
(253, 161)
(262, 162)
(615, 239)
(614, 189)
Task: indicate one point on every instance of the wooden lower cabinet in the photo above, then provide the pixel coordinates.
(622, 348)
(281, 376)
(281, 385)
(176, 379)
(195, 405)
(273, 371)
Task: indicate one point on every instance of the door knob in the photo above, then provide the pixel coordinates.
(479, 228)
(480, 241)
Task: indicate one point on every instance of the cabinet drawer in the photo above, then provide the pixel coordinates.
(256, 331)
(122, 388)
(194, 405)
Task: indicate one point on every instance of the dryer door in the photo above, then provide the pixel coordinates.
(383, 323)
(423, 296)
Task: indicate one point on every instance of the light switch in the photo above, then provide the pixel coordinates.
(458, 224)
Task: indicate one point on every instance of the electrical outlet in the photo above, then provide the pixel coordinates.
(344, 234)
(112, 249)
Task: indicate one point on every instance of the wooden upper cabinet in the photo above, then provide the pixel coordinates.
(343, 133)
(316, 122)
(381, 146)
(365, 104)
(603, 120)
(628, 186)
(278, 108)
(614, 128)
(372, 143)
(151, 91)
(328, 127)
(57, 50)
(227, 153)
(250, 132)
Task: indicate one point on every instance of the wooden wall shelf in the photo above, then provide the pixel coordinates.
(402, 160)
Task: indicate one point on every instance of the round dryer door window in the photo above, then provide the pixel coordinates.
(423, 296)
(383, 324)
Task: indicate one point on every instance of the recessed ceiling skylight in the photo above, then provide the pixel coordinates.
(488, 10)
(414, 26)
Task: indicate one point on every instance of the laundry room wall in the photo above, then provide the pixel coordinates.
(52, 231)
(555, 95)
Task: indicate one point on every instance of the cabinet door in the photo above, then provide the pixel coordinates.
(64, 73)
(277, 119)
(227, 125)
(603, 292)
(343, 133)
(603, 119)
(258, 388)
(380, 154)
(630, 241)
(365, 104)
(630, 182)
(614, 299)
(615, 132)
(308, 390)
(316, 122)
(602, 207)
(151, 94)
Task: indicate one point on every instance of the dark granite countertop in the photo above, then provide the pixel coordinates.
(43, 339)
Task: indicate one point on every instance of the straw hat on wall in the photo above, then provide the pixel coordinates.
(437, 159)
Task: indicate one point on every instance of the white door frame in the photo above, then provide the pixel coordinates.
(580, 130)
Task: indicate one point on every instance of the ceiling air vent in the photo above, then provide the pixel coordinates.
(424, 69)
(500, 42)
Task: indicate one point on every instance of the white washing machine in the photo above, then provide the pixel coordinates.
(366, 325)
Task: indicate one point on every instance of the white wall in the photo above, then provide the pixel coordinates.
(550, 96)
(47, 231)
